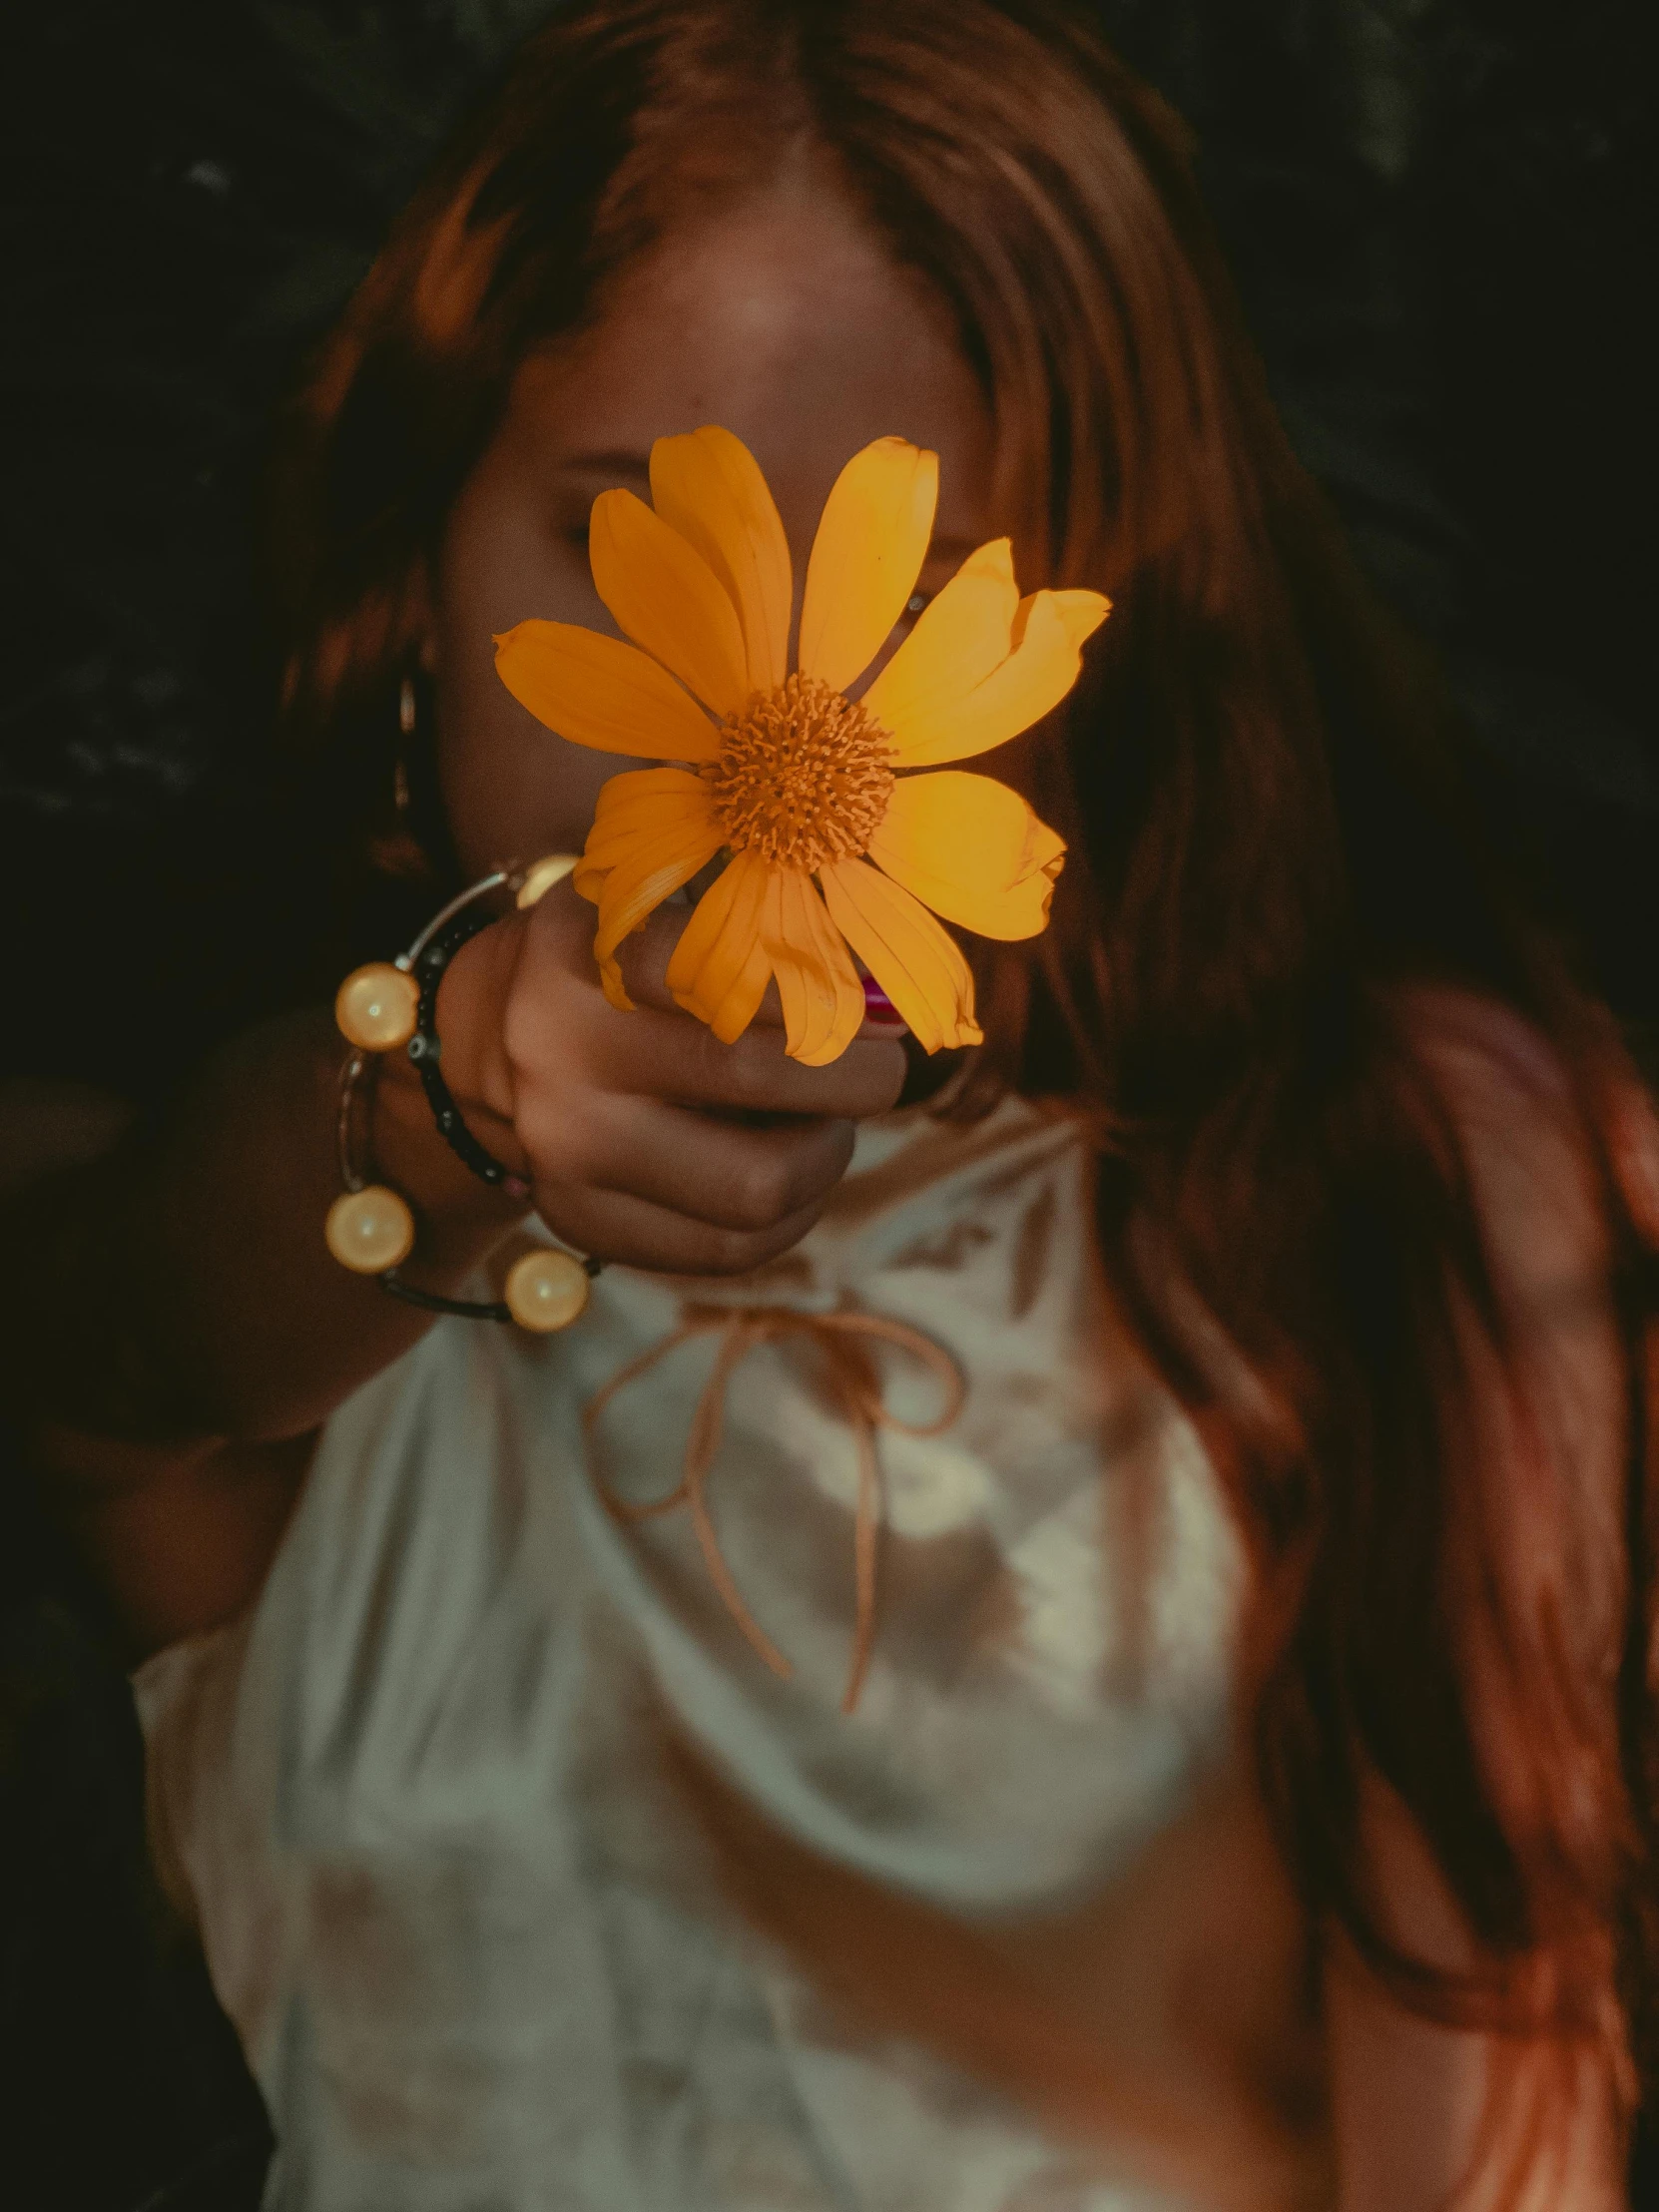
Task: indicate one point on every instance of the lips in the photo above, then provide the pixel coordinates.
(879, 1007)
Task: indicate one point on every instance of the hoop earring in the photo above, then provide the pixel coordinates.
(398, 849)
(400, 802)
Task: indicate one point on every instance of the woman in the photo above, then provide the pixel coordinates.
(1251, 1803)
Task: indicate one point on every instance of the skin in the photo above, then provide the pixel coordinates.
(648, 1142)
(758, 320)
(644, 1139)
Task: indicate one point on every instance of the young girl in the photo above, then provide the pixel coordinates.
(1250, 1799)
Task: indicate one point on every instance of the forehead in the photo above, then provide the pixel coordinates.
(786, 320)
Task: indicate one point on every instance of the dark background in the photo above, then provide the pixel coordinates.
(1437, 212)
(1435, 209)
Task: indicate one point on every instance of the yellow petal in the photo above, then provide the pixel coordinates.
(817, 985)
(637, 886)
(1048, 637)
(653, 872)
(665, 597)
(596, 691)
(735, 988)
(915, 963)
(973, 849)
(641, 803)
(960, 637)
(642, 847)
(734, 1013)
(718, 970)
(1082, 612)
(610, 983)
(709, 487)
(871, 544)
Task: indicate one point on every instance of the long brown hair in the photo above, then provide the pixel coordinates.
(1266, 858)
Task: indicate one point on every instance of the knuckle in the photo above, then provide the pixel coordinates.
(742, 1251)
(558, 1135)
(762, 1195)
(734, 1252)
(737, 1071)
(536, 1013)
(877, 1074)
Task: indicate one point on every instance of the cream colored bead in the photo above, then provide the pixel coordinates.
(370, 1230)
(545, 1291)
(541, 875)
(376, 1006)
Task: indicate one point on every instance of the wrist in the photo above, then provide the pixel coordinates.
(407, 1151)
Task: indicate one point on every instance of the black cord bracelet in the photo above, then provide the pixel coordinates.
(427, 1051)
(430, 1302)
(370, 1230)
(389, 1005)
(395, 1002)
(469, 1308)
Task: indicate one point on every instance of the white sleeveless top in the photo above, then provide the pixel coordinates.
(422, 1799)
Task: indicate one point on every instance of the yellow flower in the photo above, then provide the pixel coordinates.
(833, 844)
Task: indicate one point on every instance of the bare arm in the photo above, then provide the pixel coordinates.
(172, 1329)
(176, 1290)
(1419, 2110)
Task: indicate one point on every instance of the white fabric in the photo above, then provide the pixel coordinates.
(422, 1804)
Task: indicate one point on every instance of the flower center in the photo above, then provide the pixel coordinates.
(803, 776)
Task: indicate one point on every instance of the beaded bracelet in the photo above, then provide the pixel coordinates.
(392, 1003)
(370, 1228)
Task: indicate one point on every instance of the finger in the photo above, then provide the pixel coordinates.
(674, 1057)
(644, 958)
(660, 1051)
(617, 1226)
(713, 1171)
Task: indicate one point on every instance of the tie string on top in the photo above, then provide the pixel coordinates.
(844, 1342)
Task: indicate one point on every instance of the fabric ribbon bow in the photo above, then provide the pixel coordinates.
(843, 1340)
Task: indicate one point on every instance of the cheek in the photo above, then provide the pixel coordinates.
(517, 792)
(510, 788)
